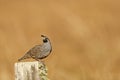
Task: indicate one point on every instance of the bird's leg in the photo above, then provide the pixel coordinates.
(35, 58)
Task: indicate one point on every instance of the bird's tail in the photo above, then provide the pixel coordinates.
(24, 57)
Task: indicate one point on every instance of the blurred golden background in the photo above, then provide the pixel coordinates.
(85, 36)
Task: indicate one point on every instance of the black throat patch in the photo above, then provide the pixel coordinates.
(45, 40)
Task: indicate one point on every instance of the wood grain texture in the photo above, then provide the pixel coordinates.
(30, 71)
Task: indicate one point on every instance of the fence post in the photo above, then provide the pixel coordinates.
(30, 71)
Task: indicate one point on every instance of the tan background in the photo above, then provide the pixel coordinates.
(85, 35)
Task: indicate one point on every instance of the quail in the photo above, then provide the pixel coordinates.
(39, 52)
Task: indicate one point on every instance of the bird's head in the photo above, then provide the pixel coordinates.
(45, 39)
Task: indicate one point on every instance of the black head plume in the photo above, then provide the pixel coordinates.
(43, 36)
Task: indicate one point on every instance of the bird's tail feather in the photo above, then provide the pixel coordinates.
(24, 57)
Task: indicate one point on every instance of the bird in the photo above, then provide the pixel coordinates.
(40, 51)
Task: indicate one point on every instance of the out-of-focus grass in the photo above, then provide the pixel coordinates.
(85, 36)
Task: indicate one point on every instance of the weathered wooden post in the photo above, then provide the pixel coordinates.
(30, 71)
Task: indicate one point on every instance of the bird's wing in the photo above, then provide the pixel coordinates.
(35, 50)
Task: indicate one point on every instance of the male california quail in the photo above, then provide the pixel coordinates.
(39, 52)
